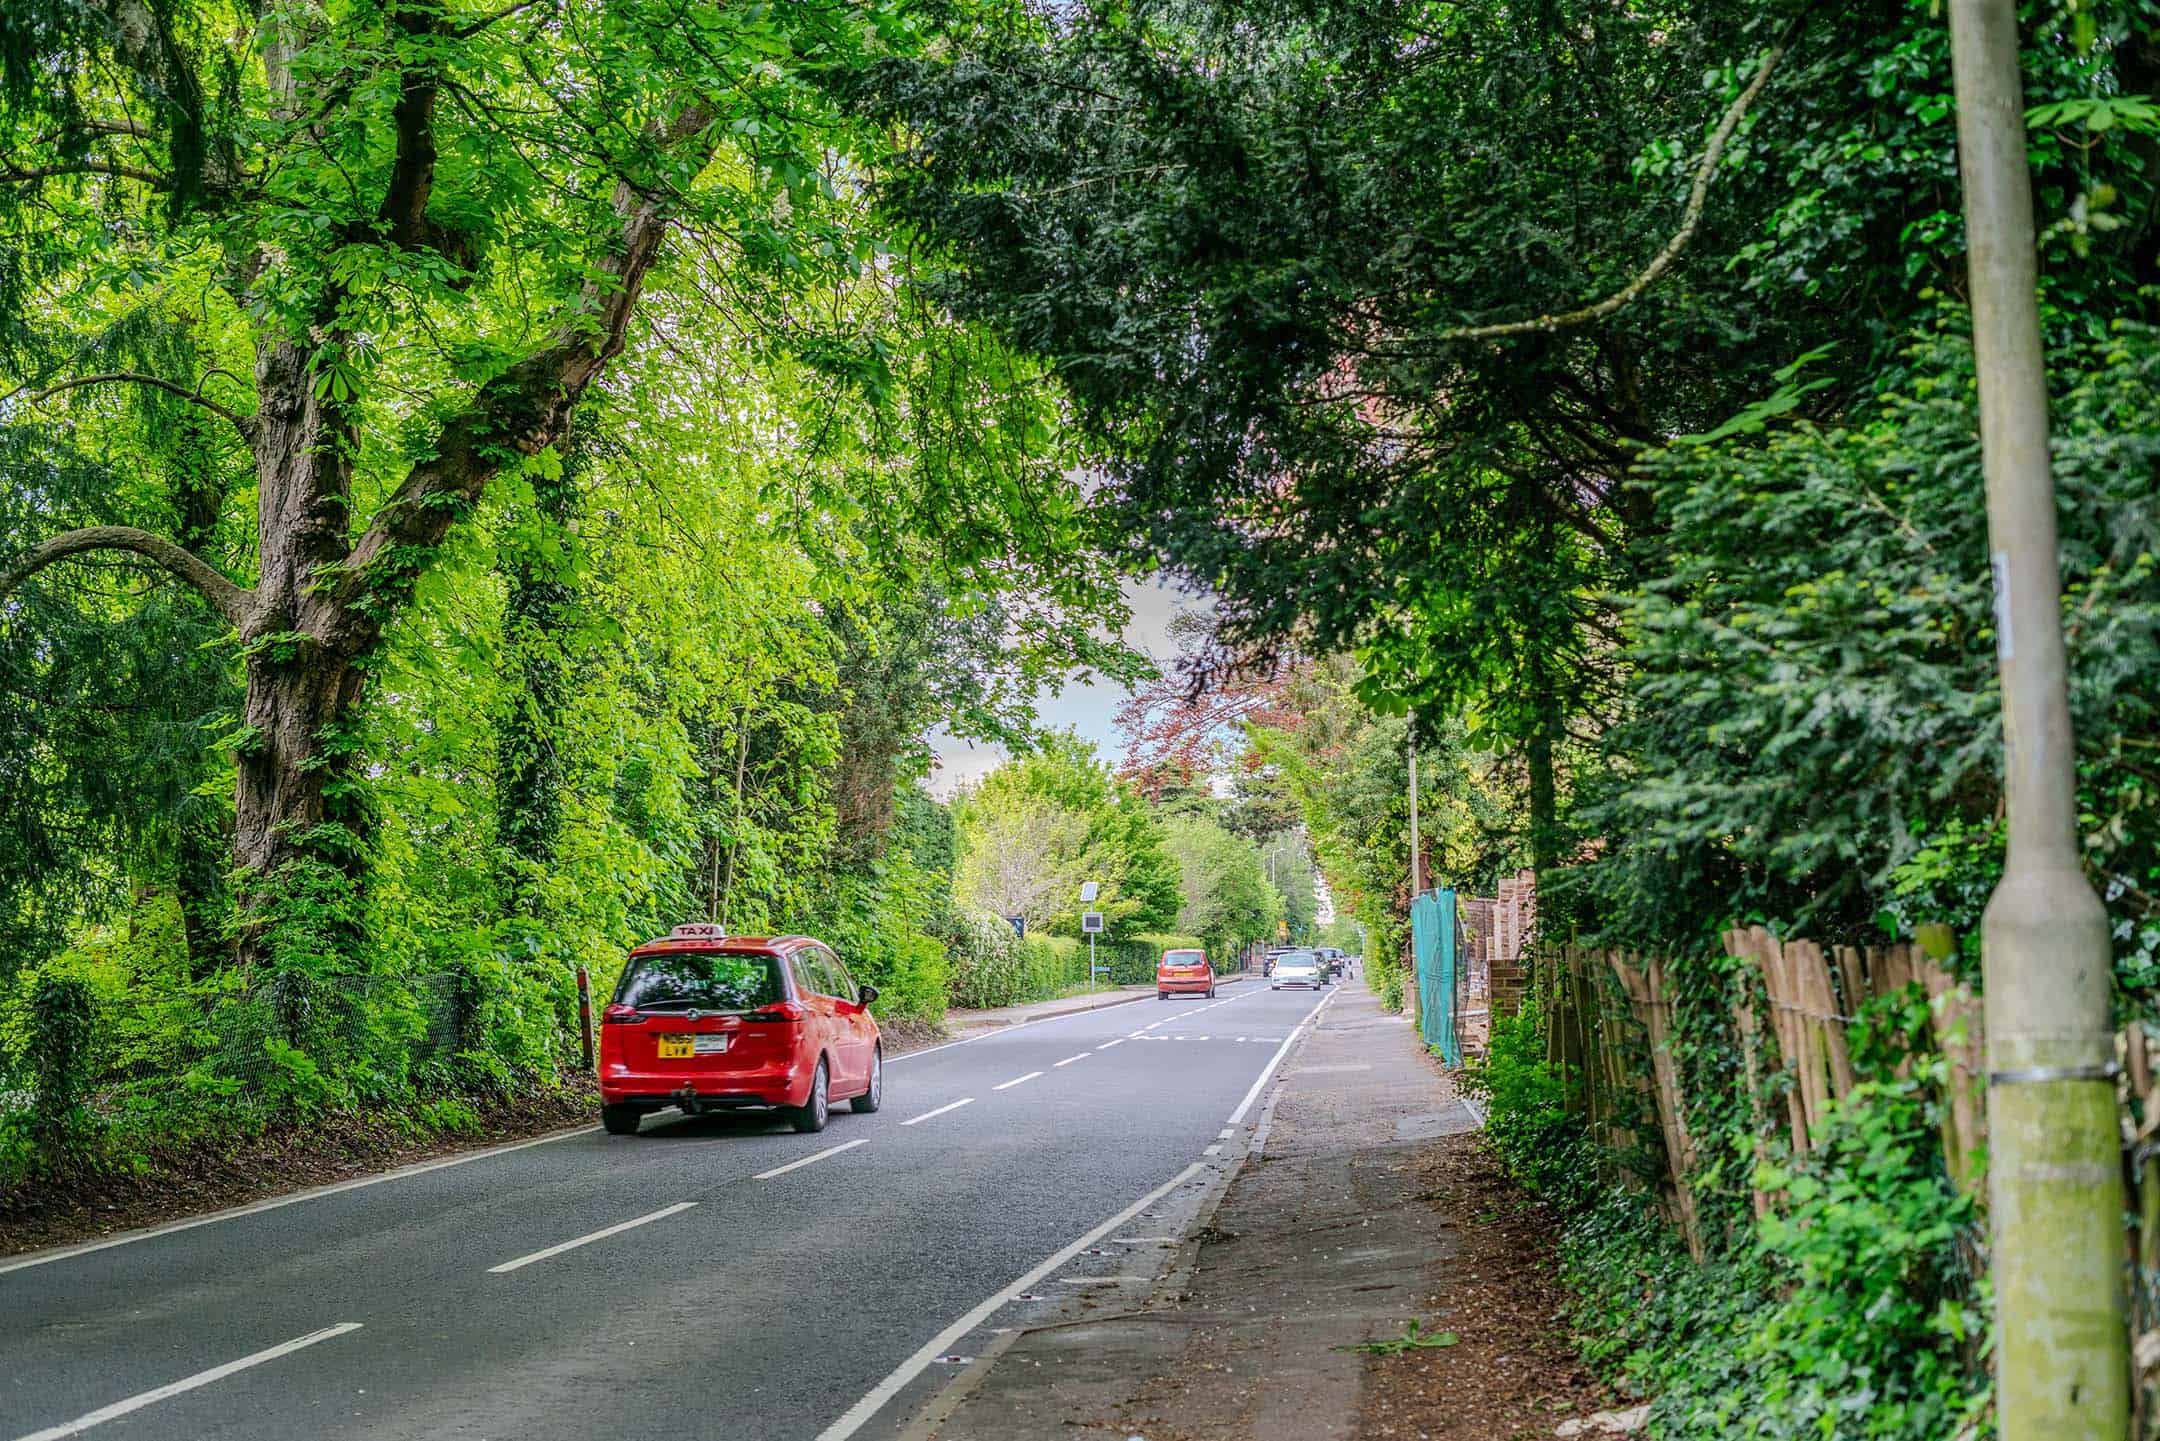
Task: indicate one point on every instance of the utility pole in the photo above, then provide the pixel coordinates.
(1417, 874)
(2054, 1167)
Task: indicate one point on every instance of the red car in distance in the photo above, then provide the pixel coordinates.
(1183, 972)
(703, 1021)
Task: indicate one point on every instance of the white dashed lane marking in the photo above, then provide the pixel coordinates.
(190, 1383)
(810, 1159)
(600, 1235)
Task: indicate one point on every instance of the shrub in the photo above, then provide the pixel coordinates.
(61, 1022)
(1850, 1310)
(1541, 1143)
(1132, 959)
(992, 966)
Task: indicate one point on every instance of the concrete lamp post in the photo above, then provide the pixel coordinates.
(2054, 1165)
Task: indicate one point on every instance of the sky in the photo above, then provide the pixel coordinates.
(1090, 709)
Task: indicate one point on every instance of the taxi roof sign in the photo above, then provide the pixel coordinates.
(699, 930)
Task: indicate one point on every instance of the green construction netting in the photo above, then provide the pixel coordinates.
(1432, 941)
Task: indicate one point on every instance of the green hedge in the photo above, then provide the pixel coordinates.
(1132, 959)
(987, 965)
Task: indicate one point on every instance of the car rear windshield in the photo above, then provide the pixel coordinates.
(701, 980)
(1184, 958)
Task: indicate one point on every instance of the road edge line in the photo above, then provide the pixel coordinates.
(875, 1400)
(28, 1259)
(1169, 1279)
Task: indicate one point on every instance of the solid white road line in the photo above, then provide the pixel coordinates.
(1276, 1060)
(862, 1411)
(1008, 1085)
(201, 1378)
(600, 1235)
(810, 1159)
(1070, 1059)
(402, 1173)
(954, 1106)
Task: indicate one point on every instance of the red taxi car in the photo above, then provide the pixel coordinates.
(1183, 971)
(709, 1022)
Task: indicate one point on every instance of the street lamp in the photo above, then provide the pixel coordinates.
(2054, 1168)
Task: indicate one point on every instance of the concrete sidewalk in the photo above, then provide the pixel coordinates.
(1320, 1241)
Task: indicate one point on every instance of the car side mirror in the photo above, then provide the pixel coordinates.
(867, 994)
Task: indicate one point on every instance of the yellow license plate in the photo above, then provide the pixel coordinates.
(677, 1048)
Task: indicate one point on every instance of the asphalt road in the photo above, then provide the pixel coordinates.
(711, 1278)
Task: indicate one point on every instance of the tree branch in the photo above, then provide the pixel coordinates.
(86, 167)
(1698, 193)
(402, 216)
(232, 601)
(521, 411)
(245, 424)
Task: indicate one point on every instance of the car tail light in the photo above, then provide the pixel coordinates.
(777, 1011)
(621, 1015)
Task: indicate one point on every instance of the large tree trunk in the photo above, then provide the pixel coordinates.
(301, 645)
(288, 810)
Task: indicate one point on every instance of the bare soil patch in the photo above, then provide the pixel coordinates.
(1513, 1374)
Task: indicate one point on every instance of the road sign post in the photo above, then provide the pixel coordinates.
(1091, 924)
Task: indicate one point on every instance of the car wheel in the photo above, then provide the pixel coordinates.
(873, 1098)
(1162, 995)
(620, 1120)
(811, 1118)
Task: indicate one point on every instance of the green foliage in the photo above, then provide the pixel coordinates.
(1133, 959)
(1344, 768)
(1414, 1338)
(1226, 895)
(1542, 1143)
(60, 1027)
(991, 965)
(1852, 1309)
(1038, 827)
(1812, 735)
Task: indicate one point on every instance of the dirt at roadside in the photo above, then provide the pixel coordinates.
(188, 1180)
(1512, 1374)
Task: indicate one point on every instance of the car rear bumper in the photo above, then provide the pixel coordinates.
(776, 1085)
(1184, 983)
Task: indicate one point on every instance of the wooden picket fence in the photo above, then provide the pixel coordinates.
(1808, 996)
(1794, 1020)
